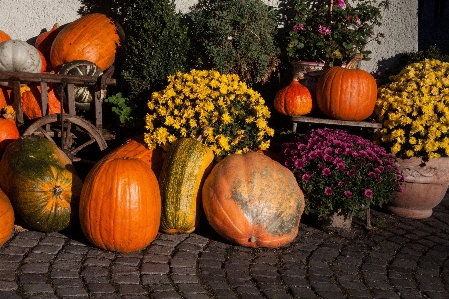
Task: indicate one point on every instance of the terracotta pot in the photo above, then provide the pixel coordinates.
(425, 185)
(337, 222)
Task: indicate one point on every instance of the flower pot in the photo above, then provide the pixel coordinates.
(337, 222)
(423, 189)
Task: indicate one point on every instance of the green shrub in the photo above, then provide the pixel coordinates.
(234, 36)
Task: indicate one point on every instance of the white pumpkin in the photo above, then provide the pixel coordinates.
(19, 56)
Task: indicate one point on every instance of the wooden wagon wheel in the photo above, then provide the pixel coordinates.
(71, 133)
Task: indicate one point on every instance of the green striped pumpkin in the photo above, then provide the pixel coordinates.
(185, 168)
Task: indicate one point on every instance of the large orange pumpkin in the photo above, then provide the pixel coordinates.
(347, 93)
(94, 37)
(8, 133)
(252, 200)
(293, 100)
(6, 218)
(31, 100)
(120, 206)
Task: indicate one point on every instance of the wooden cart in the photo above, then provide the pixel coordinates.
(71, 132)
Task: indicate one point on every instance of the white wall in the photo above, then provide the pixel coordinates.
(25, 19)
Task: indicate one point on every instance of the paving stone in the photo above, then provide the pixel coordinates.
(68, 291)
(37, 288)
(7, 285)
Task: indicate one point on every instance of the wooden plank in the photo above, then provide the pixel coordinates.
(17, 104)
(362, 124)
(25, 77)
(44, 98)
(71, 98)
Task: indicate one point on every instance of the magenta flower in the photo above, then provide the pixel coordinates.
(328, 191)
(306, 176)
(339, 3)
(324, 30)
(298, 27)
(326, 172)
(348, 193)
(369, 193)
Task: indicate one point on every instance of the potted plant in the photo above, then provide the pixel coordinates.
(326, 33)
(414, 111)
(231, 116)
(340, 173)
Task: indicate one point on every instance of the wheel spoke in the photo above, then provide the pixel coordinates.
(80, 147)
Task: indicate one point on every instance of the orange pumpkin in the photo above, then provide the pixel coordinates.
(5, 96)
(293, 100)
(4, 36)
(31, 102)
(347, 93)
(136, 148)
(120, 206)
(45, 40)
(8, 133)
(44, 62)
(94, 38)
(6, 218)
(252, 200)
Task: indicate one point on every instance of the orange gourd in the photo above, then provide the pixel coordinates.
(45, 40)
(31, 100)
(347, 93)
(5, 96)
(44, 62)
(120, 205)
(4, 36)
(8, 133)
(293, 100)
(252, 200)
(6, 218)
(136, 148)
(94, 37)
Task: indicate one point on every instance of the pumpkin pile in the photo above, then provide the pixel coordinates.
(86, 46)
(343, 93)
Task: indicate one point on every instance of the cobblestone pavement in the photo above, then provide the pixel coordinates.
(398, 258)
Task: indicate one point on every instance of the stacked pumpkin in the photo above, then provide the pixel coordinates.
(343, 93)
(86, 46)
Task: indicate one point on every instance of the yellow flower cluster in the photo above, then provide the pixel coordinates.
(414, 111)
(231, 117)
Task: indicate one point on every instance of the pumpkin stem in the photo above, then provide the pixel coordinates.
(57, 191)
(353, 64)
(252, 239)
(298, 76)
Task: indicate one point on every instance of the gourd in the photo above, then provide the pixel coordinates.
(135, 148)
(6, 218)
(253, 201)
(120, 205)
(19, 56)
(94, 37)
(44, 41)
(347, 93)
(293, 100)
(8, 133)
(5, 96)
(41, 183)
(4, 36)
(185, 167)
(31, 102)
(83, 94)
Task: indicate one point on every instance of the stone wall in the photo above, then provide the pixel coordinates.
(21, 20)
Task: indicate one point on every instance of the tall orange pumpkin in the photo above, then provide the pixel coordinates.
(120, 206)
(252, 200)
(31, 99)
(6, 218)
(94, 37)
(347, 93)
(293, 100)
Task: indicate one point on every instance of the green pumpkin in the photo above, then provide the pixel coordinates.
(185, 168)
(41, 183)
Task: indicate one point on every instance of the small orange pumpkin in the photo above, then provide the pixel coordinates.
(120, 205)
(31, 102)
(347, 93)
(94, 37)
(8, 133)
(252, 200)
(4, 36)
(293, 100)
(5, 96)
(6, 218)
(45, 40)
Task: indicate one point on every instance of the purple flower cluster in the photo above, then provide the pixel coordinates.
(336, 169)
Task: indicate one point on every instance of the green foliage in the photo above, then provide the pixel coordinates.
(157, 46)
(121, 107)
(235, 36)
